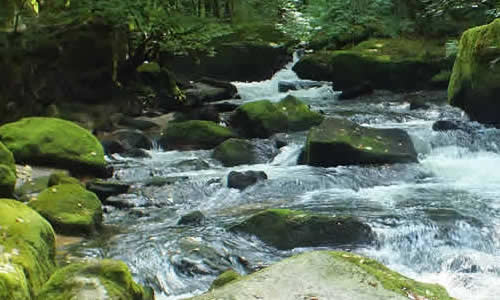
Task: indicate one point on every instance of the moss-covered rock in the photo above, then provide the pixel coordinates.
(342, 142)
(475, 80)
(27, 251)
(31, 188)
(55, 142)
(194, 135)
(7, 172)
(235, 152)
(264, 118)
(327, 275)
(98, 280)
(287, 229)
(70, 208)
(61, 177)
(393, 64)
(225, 278)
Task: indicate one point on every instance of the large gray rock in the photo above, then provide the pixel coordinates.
(326, 275)
(342, 142)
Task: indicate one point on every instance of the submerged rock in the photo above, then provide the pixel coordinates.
(96, 280)
(326, 275)
(474, 84)
(27, 251)
(194, 218)
(293, 85)
(264, 118)
(54, 142)
(242, 180)
(194, 135)
(342, 142)
(104, 189)
(287, 229)
(7, 172)
(70, 208)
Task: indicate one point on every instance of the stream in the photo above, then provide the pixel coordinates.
(436, 221)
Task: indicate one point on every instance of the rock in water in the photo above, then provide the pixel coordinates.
(242, 180)
(27, 251)
(54, 142)
(342, 142)
(235, 152)
(70, 208)
(474, 83)
(194, 135)
(287, 229)
(326, 275)
(96, 280)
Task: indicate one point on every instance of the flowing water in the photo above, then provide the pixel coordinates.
(436, 221)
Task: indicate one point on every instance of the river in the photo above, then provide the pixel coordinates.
(436, 221)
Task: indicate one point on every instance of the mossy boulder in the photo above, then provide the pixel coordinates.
(57, 178)
(195, 134)
(235, 152)
(27, 251)
(475, 80)
(97, 280)
(70, 208)
(31, 188)
(54, 142)
(327, 275)
(225, 278)
(263, 118)
(7, 172)
(393, 64)
(287, 229)
(342, 142)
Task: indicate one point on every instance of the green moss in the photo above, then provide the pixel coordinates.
(235, 152)
(195, 134)
(342, 142)
(394, 281)
(476, 73)
(55, 142)
(62, 178)
(299, 116)
(27, 250)
(286, 229)
(7, 172)
(225, 278)
(151, 67)
(442, 77)
(69, 208)
(108, 279)
(395, 64)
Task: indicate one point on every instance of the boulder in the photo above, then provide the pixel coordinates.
(27, 251)
(233, 61)
(362, 89)
(342, 142)
(31, 188)
(54, 142)
(263, 118)
(293, 85)
(71, 209)
(131, 138)
(7, 172)
(209, 90)
(194, 135)
(392, 64)
(326, 275)
(62, 178)
(242, 180)
(235, 152)
(97, 280)
(474, 84)
(288, 229)
(104, 189)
